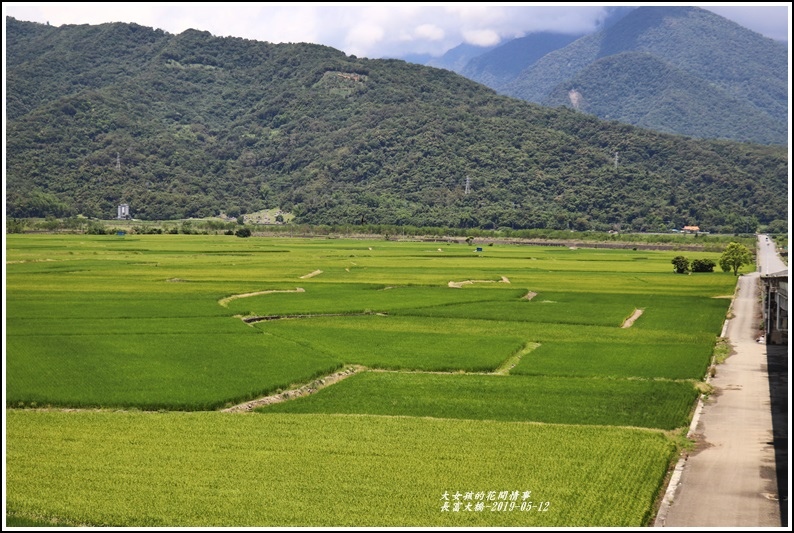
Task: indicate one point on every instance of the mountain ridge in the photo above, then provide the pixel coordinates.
(208, 124)
(741, 63)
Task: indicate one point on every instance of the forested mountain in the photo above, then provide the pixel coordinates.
(457, 58)
(656, 95)
(501, 65)
(710, 60)
(497, 65)
(191, 125)
(44, 63)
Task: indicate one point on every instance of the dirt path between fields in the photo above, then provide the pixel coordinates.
(224, 302)
(460, 284)
(312, 274)
(630, 320)
(305, 390)
(33, 261)
(505, 368)
(266, 318)
(320, 383)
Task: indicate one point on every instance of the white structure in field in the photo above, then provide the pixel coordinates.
(123, 212)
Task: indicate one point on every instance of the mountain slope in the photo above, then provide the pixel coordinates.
(44, 64)
(457, 58)
(209, 124)
(502, 64)
(743, 65)
(656, 95)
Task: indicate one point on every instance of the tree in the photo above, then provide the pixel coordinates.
(680, 264)
(15, 225)
(777, 226)
(735, 257)
(703, 265)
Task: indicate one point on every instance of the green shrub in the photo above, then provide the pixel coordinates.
(703, 265)
(680, 264)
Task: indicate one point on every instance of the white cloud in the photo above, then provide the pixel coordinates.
(363, 37)
(59, 14)
(481, 37)
(431, 32)
(370, 30)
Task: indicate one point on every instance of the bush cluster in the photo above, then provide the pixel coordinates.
(681, 265)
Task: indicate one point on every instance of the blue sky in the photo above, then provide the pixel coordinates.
(375, 29)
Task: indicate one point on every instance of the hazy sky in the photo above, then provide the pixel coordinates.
(375, 29)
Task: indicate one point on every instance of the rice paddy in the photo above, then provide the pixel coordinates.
(177, 323)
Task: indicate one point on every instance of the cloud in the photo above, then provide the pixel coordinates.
(481, 37)
(59, 14)
(370, 30)
(431, 32)
(363, 37)
(515, 21)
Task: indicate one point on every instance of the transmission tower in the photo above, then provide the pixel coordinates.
(468, 188)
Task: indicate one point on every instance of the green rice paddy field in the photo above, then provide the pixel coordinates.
(494, 388)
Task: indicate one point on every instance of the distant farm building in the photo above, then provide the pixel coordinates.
(123, 212)
(691, 229)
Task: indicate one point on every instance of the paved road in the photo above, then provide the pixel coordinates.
(730, 481)
(769, 261)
